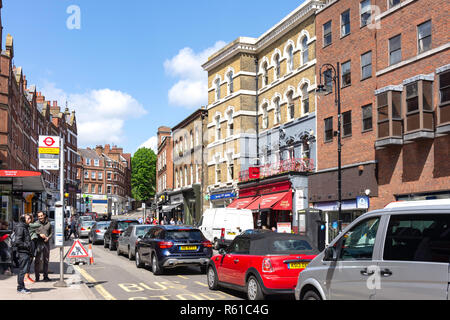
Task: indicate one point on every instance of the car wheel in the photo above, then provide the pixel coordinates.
(156, 269)
(212, 278)
(111, 245)
(105, 244)
(216, 244)
(130, 255)
(139, 264)
(311, 295)
(254, 291)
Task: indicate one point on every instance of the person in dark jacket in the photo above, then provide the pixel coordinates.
(73, 228)
(23, 247)
(45, 233)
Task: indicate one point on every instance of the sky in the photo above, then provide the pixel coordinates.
(128, 67)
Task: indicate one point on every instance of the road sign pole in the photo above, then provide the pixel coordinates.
(61, 282)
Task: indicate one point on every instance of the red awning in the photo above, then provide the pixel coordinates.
(242, 203)
(24, 181)
(276, 201)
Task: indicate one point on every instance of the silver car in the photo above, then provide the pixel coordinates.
(399, 252)
(97, 233)
(84, 228)
(128, 240)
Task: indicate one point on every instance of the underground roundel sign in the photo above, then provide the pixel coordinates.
(48, 145)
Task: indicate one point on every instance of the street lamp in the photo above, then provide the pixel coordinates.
(332, 73)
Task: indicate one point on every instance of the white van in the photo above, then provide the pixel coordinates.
(221, 226)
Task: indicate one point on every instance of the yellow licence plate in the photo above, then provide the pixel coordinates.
(188, 248)
(231, 233)
(297, 265)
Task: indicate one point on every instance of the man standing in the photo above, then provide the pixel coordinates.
(22, 244)
(45, 233)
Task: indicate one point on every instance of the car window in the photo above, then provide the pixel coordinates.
(290, 245)
(183, 234)
(240, 246)
(88, 223)
(125, 224)
(128, 232)
(418, 238)
(142, 231)
(157, 234)
(358, 243)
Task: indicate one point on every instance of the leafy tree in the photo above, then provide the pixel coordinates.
(143, 175)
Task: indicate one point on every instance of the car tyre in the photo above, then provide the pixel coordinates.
(212, 278)
(203, 269)
(139, 263)
(156, 269)
(254, 291)
(111, 245)
(311, 295)
(105, 244)
(130, 255)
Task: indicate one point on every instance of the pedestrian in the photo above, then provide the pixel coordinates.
(73, 228)
(45, 233)
(274, 229)
(148, 221)
(22, 244)
(33, 230)
(172, 222)
(155, 221)
(179, 222)
(165, 220)
(5, 252)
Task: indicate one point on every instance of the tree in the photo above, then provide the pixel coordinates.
(143, 174)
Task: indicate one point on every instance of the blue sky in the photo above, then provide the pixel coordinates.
(118, 69)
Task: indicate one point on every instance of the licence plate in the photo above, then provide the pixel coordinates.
(231, 233)
(188, 248)
(297, 265)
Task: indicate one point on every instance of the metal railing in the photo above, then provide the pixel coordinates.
(272, 169)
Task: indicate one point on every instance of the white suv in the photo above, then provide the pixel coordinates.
(399, 252)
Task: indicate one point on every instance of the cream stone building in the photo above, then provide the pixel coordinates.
(261, 111)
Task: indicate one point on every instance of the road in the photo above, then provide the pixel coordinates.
(114, 277)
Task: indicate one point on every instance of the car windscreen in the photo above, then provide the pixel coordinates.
(286, 245)
(122, 225)
(142, 231)
(184, 235)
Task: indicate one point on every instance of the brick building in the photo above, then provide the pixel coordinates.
(394, 59)
(105, 175)
(164, 168)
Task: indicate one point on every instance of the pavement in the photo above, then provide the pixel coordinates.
(77, 287)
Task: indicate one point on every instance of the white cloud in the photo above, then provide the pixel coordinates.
(101, 114)
(191, 90)
(151, 143)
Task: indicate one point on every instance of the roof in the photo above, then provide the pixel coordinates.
(89, 153)
(262, 243)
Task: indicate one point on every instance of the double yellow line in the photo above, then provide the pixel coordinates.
(100, 289)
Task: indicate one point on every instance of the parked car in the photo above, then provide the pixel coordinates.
(85, 218)
(115, 229)
(170, 246)
(221, 226)
(399, 252)
(98, 231)
(261, 264)
(94, 215)
(128, 240)
(255, 231)
(84, 227)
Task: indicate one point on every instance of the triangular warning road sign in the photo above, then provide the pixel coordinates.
(77, 250)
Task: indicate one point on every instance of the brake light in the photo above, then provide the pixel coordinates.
(97, 231)
(207, 244)
(82, 229)
(267, 265)
(165, 245)
(222, 233)
(116, 231)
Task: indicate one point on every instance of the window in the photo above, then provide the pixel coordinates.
(217, 89)
(96, 162)
(393, 3)
(86, 188)
(265, 75)
(444, 87)
(366, 12)
(277, 66)
(191, 139)
(290, 58)
(108, 189)
(395, 49)
(100, 189)
(305, 50)
(418, 238)
(93, 188)
(218, 173)
(199, 173)
(217, 128)
(412, 97)
(346, 74)
(230, 125)
(185, 176)
(88, 161)
(109, 175)
(367, 117)
(93, 175)
(366, 65)
(197, 137)
(265, 122)
(328, 77)
(305, 99)
(327, 34)
(230, 171)
(192, 175)
(239, 246)
(230, 83)
(345, 23)
(277, 111)
(329, 129)
(86, 174)
(291, 106)
(347, 123)
(424, 36)
(100, 175)
(358, 243)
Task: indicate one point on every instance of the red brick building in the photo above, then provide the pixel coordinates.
(394, 58)
(164, 168)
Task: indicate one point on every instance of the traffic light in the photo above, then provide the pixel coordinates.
(86, 200)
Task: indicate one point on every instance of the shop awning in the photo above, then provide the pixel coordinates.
(171, 207)
(242, 203)
(276, 201)
(25, 181)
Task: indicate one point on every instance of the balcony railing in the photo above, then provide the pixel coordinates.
(273, 169)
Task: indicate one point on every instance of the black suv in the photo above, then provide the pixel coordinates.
(115, 229)
(165, 247)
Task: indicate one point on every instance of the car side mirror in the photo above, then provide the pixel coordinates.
(222, 251)
(330, 254)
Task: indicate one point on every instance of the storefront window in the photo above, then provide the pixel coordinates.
(6, 208)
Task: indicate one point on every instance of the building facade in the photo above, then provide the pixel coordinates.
(164, 170)
(394, 97)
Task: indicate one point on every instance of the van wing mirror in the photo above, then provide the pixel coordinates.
(330, 254)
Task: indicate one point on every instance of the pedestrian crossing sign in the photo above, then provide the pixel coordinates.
(77, 251)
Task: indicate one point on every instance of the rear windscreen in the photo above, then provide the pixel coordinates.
(184, 235)
(88, 223)
(290, 245)
(142, 231)
(125, 224)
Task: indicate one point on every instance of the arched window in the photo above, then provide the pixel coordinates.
(277, 66)
(305, 99)
(290, 52)
(305, 51)
(265, 74)
(277, 118)
(218, 128)
(230, 125)
(217, 83)
(192, 175)
(291, 106)
(230, 82)
(185, 176)
(265, 120)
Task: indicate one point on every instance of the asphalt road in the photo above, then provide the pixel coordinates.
(114, 277)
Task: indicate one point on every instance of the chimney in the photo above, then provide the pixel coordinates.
(99, 150)
(9, 46)
(107, 148)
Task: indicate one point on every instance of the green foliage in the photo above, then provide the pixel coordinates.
(143, 175)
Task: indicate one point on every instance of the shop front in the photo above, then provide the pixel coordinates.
(222, 199)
